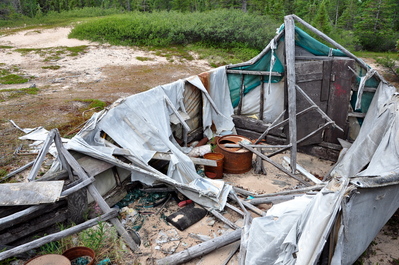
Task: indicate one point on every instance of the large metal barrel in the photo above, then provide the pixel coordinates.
(236, 160)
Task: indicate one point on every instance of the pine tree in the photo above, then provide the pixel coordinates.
(375, 25)
(321, 20)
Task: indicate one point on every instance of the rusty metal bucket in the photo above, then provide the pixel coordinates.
(236, 160)
(214, 172)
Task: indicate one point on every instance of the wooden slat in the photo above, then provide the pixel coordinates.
(291, 81)
(261, 73)
(30, 193)
(57, 236)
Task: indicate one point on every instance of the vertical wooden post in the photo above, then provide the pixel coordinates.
(290, 68)
(262, 97)
(241, 95)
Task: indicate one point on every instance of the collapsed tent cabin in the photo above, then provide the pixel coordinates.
(297, 95)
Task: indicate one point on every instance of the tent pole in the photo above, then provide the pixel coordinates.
(335, 44)
(290, 68)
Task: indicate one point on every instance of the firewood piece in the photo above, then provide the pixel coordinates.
(201, 249)
(57, 236)
(275, 164)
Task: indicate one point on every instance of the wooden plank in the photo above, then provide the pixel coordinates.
(273, 199)
(30, 193)
(335, 44)
(44, 220)
(313, 90)
(275, 164)
(197, 161)
(241, 102)
(318, 109)
(9, 175)
(20, 218)
(93, 166)
(201, 249)
(262, 99)
(224, 219)
(340, 91)
(273, 125)
(97, 197)
(295, 191)
(57, 236)
(41, 156)
(260, 73)
(304, 172)
(357, 114)
(290, 70)
(325, 86)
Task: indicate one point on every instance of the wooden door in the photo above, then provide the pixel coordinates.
(328, 83)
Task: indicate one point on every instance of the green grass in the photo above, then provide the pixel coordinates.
(52, 67)
(13, 79)
(217, 28)
(102, 238)
(374, 55)
(6, 94)
(76, 50)
(54, 54)
(92, 103)
(143, 59)
(5, 47)
(55, 19)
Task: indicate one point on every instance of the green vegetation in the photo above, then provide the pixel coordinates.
(52, 67)
(13, 79)
(143, 59)
(102, 238)
(5, 47)
(92, 104)
(3, 173)
(217, 28)
(76, 50)
(373, 25)
(54, 53)
(6, 94)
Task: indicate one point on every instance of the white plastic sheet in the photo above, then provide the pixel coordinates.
(141, 124)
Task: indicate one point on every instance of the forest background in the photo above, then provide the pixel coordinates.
(371, 25)
(238, 29)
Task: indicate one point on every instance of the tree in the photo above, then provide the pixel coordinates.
(347, 19)
(375, 25)
(321, 20)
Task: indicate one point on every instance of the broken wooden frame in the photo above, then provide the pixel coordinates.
(83, 181)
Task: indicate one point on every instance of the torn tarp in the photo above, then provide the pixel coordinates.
(141, 124)
(366, 176)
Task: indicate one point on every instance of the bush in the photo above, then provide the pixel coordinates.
(217, 28)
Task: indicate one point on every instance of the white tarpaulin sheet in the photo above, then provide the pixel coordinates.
(300, 237)
(141, 124)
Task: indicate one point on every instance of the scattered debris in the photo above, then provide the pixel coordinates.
(132, 156)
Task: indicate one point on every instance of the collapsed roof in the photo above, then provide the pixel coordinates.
(302, 93)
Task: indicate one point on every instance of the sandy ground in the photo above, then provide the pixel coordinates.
(108, 72)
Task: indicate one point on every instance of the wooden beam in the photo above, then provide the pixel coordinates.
(201, 249)
(262, 98)
(97, 197)
(57, 236)
(301, 190)
(241, 102)
(274, 164)
(41, 156)
(324, 115)
(261, 73)
(335, 44)
(290, 69)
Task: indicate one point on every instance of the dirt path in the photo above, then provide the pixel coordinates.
(66, 79)
(100, 72)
